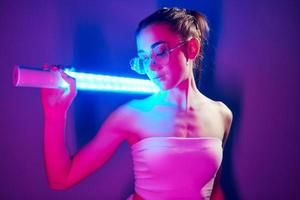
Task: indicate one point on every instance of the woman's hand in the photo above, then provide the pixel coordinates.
(58, 101)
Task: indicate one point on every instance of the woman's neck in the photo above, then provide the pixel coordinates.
(182, 95)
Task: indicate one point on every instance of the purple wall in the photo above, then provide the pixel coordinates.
(256, 72)
(258, 56)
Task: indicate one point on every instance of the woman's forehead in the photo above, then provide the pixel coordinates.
(155, 33)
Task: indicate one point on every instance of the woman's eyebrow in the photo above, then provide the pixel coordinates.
(153, 45)
(157, 43)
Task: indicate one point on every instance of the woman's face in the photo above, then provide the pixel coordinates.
(166, 69)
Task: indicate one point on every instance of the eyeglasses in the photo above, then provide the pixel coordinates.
(159, 55)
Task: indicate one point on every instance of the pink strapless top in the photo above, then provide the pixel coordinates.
(170, 168)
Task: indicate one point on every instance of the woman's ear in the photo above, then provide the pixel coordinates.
(193, 48)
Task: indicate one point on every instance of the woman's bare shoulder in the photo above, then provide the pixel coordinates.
(227, 116)
(130, 110)
(128, 117)
(220, 106)
(137, 105)
(223, 110)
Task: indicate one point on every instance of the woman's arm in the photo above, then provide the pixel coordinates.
(62, 170)
(217, 193)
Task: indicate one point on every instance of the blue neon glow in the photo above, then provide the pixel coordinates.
(99, 82)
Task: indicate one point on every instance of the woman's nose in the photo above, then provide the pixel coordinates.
(153, 66)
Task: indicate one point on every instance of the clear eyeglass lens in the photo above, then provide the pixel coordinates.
(136, 64)
(159, 55)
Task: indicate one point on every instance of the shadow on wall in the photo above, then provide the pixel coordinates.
(89, 53)
(228, 180)
(207, 84)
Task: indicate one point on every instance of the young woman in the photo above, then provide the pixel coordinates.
(176, 136)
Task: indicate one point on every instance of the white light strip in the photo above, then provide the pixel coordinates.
(44, 78)
(100, 82)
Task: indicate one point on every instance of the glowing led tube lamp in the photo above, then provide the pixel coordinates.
(33, 77)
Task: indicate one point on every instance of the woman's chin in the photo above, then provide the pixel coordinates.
(162, 85)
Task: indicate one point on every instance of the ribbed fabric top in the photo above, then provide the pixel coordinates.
(170, 168)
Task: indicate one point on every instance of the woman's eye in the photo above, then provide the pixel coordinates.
(161, 51)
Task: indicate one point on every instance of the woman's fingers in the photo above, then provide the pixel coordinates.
(58, 99)
(70, 80)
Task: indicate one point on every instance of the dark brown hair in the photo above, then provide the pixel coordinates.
(187, 23)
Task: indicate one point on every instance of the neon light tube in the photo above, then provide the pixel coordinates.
(33, 77)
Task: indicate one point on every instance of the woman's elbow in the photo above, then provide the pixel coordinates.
(217, 193)
(59, 185)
